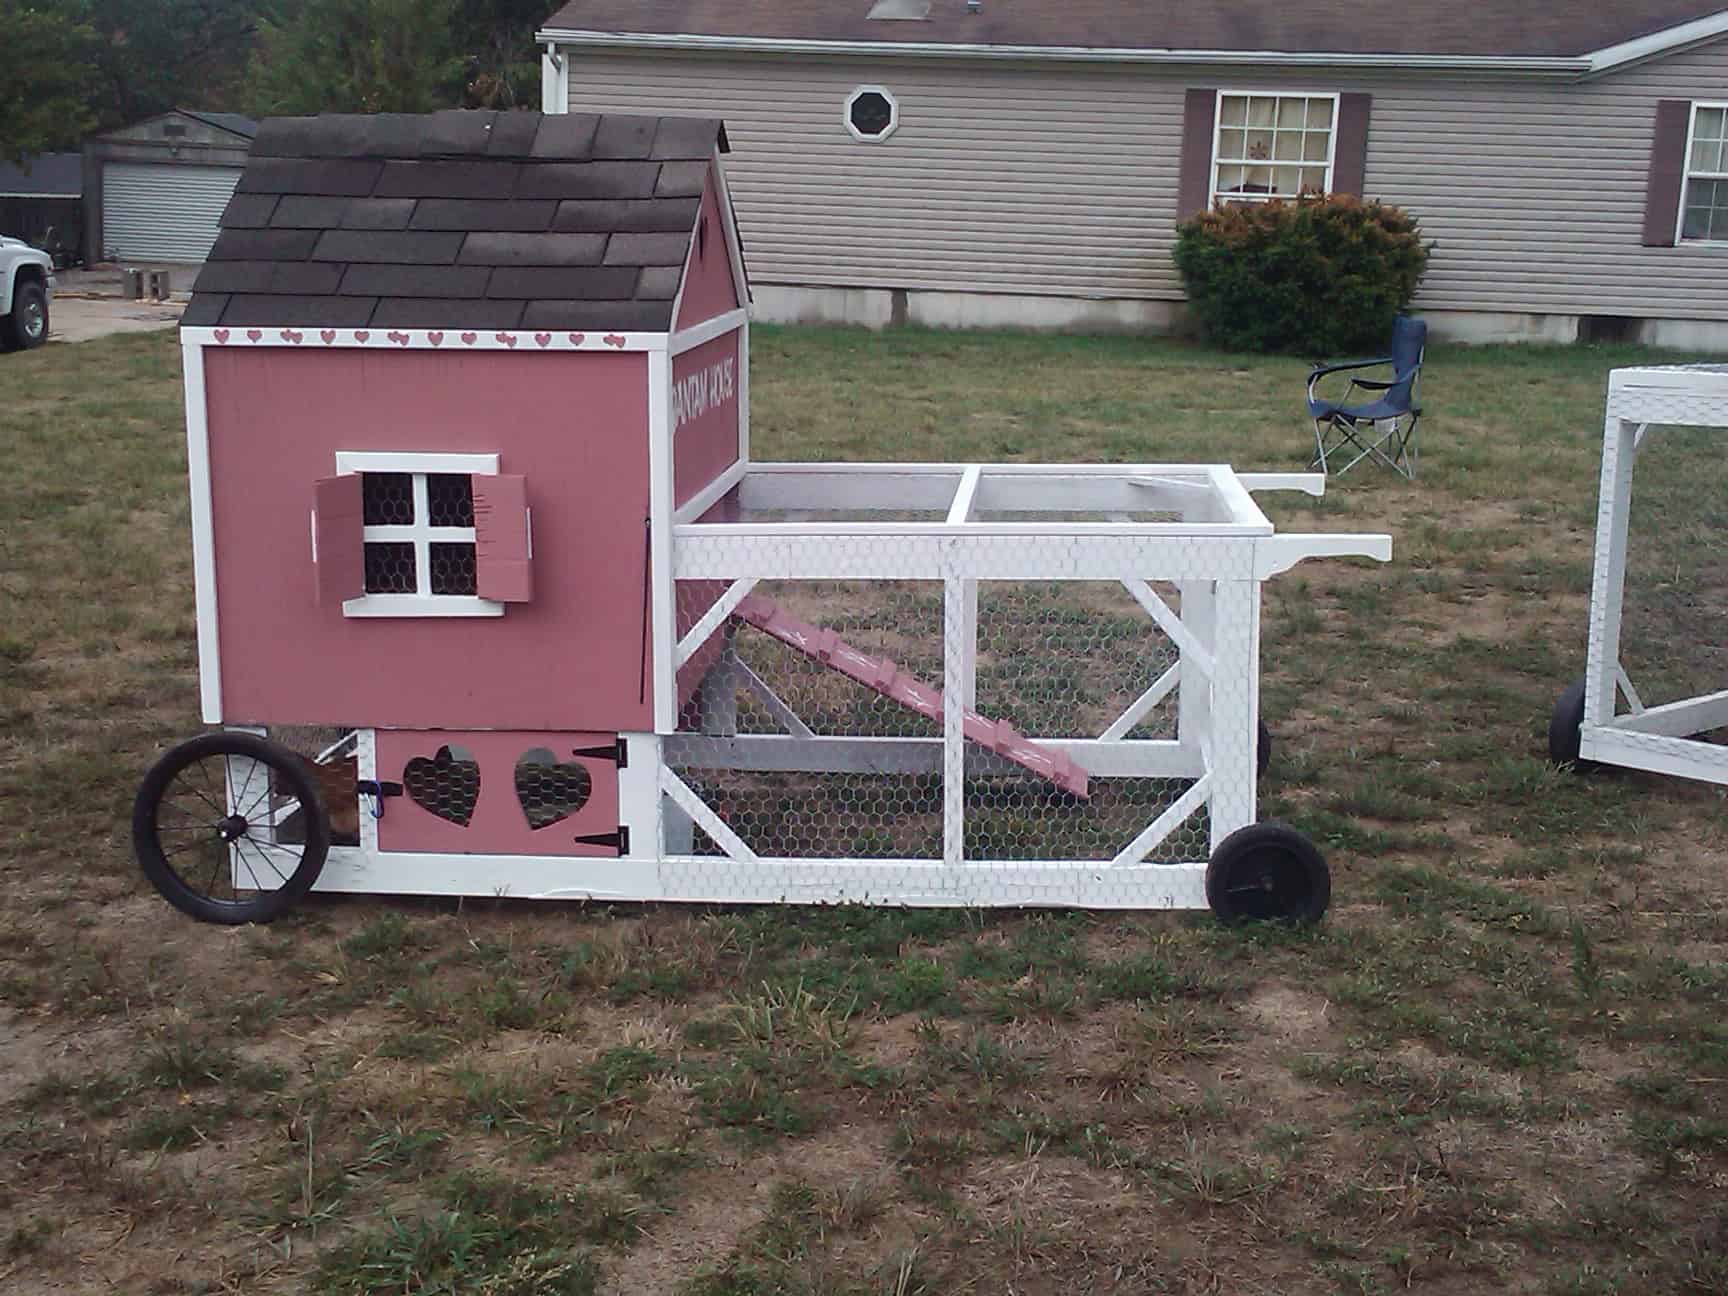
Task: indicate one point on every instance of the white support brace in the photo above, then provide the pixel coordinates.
(705, 818)
(711, 620)
(1142, 705)
(1193, 651)
(783, 714)
(1152, 836)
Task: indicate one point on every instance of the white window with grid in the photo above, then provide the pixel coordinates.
(1704, 204)
(418, 534)
(1267, 146)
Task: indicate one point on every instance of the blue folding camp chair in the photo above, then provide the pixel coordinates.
(1383, 430)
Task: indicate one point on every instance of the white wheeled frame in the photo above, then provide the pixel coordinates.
(1660, 739)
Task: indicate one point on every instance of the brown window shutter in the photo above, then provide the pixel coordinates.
(502, 570)
(1667, 171)
(1350, 149)
(1194, 189)
(337, 519)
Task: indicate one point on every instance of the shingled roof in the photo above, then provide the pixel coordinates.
(459, 219)
(1481, 28)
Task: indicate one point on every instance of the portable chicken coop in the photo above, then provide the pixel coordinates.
(1659, 594)
(492, 600)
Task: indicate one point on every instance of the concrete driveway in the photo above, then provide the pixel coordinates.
(92, 303)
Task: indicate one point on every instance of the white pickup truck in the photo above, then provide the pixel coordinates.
(26, 284)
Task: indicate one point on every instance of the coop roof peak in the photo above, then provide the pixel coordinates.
(460, 219)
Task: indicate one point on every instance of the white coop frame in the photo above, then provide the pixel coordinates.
(1211, 542)
(1660, 739)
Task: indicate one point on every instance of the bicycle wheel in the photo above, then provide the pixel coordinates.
(208, 822)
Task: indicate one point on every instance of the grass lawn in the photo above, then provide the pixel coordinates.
(1499, 1066)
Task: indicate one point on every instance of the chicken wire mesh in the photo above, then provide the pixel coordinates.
(806, 668)
(329, 755)
(1675, 600)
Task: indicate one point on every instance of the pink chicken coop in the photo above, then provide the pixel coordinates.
(492, 601)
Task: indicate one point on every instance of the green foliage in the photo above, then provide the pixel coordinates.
(358, 56)
(1319, 277)
(44, 96)
(153, 55)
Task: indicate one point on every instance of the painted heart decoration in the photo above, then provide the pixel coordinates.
(547, 791)
(543, 339)
(289, 335)
(576, 339)
(508, 339)
(329, 335)
(254, 334)
(446, 785)
(360, 335)
(435, 338)
(468, 339)
(613, 340)
(221, 335)
(400, 339)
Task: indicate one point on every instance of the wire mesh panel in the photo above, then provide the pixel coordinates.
(1675, 609)
(330, 756)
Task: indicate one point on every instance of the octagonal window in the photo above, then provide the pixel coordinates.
(871, 113)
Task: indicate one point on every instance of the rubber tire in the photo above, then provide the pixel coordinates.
(1566, 727)
(148, 848)
(12, 330)
(1296, 885)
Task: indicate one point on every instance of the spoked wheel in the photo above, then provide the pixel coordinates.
(1267, 872)
(229, 828)
(1566, 726)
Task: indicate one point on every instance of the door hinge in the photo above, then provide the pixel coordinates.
(616, 752)
(619, 841)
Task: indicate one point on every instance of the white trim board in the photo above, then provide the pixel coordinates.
(529, 341)
(1569, 67)
(203, 533)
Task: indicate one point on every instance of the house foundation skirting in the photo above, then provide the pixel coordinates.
(889, 307)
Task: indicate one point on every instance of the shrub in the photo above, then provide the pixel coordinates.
(1319, 276)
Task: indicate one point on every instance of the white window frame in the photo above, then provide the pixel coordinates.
(420, 533)
(1687, 176)
(858, 92)
(1215, 197)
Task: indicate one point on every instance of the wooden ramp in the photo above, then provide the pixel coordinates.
(890, 681)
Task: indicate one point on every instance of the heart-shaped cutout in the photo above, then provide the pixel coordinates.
(548, 791)
(447, 785)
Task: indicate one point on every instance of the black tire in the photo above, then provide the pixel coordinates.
(1566, 726)
(27, 325)
(193, 835)
(1268, 873)
(1262, 749)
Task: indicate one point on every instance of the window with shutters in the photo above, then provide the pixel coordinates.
(1267, 146)
(420, 535)
(1704, 203)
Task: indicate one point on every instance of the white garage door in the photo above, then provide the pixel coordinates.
(163, 213)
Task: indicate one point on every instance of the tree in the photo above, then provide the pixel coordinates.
(154, 55)
(496, 37)
(44, 95)
(358, 56)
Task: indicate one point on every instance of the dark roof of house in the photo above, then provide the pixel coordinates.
(235, 122)
(47, 174)
(459, 219)
(1521, 28)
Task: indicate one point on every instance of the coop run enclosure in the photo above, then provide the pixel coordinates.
(1652, 697)
(493, 601)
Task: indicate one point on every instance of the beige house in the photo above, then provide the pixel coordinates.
(1006, 162)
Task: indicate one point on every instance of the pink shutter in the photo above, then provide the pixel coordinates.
(1667, 171)
(336, 533)
(1350, 149)
(1194, 184)
(501, 555)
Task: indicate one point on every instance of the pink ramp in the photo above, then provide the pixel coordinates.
(891, 682)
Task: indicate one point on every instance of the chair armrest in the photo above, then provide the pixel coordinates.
(1320, 371)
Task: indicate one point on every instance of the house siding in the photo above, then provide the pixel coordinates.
(1062, 180)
